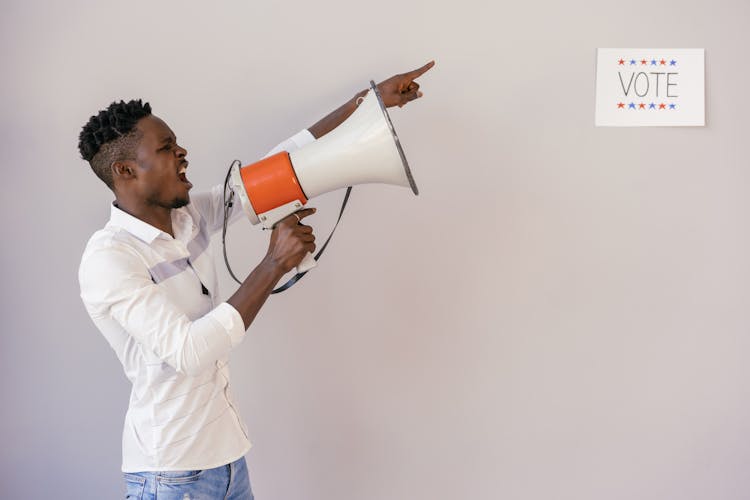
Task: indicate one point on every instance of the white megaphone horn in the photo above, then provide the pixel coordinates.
(363, 149)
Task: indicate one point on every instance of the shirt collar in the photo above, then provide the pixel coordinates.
(182, 225)
(135, 226)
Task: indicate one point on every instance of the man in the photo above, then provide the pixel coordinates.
(149, 284)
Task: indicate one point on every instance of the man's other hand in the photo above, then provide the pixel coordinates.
(400, 89)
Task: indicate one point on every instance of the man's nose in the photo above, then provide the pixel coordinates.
(180, 151)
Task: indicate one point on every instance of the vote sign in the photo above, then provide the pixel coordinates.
(650, 87)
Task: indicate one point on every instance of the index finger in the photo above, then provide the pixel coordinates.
(297, 216)
(420, 71)
(305, 212)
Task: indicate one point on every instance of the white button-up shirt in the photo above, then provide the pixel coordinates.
(154, 298)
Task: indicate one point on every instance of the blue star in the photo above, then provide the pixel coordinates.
(653, 62)
(673, 63)
(652, 106)
(631, 105)
(632, 62)
(672, 106)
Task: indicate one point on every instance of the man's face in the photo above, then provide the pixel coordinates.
(161, 165)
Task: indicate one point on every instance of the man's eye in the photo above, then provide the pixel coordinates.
(166, 148)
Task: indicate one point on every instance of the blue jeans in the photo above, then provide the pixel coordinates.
(228, 482)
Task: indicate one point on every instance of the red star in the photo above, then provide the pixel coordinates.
(621, 62)
(641, 106)
(620, 104)
(644, 62)
(662, 106)
(663, 62)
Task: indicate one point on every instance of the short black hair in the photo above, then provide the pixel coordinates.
(111, 136)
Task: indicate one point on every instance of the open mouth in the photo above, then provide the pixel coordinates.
(181, 174)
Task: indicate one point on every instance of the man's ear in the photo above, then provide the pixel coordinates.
(123, 170)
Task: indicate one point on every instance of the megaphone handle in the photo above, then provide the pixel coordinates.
(294, 279)
(307, 263)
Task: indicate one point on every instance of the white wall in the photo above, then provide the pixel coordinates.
(562, 313)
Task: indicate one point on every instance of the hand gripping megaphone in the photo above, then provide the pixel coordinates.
(363, 149)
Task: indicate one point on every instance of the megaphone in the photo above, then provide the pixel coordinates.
(363, 149)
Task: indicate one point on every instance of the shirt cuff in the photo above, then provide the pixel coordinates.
(296, 141)
(302, 138)
(229, 318)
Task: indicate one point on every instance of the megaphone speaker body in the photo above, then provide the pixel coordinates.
(363, 149)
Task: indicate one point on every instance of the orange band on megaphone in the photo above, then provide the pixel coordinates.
(271, 183)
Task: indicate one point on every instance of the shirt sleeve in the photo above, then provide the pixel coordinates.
(116, 284)
(210, 205)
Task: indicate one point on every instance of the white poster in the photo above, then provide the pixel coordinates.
(650, 87)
